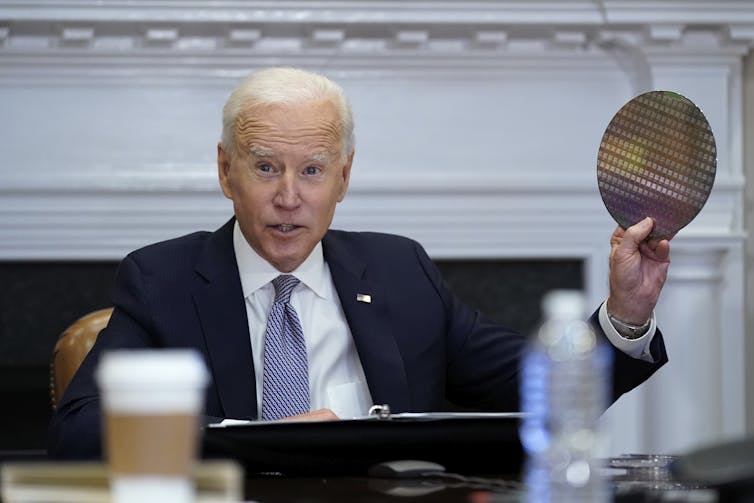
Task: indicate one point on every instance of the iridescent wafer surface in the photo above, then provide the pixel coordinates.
(657, 158)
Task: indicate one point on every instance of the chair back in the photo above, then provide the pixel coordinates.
(72, 347)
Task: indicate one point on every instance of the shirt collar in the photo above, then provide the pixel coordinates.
(256, 272)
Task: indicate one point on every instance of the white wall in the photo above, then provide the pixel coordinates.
(749, 221)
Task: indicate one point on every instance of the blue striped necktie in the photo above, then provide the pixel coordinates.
(285, 382)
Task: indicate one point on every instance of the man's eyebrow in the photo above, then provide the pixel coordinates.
(259, 152)
(320, 156)
(315, 157)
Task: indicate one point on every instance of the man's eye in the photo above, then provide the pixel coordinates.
(311, 170)
(265, 168)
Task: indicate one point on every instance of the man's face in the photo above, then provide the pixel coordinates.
(285, 177)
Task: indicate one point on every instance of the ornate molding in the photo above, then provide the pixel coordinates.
(452, 215)
(387, 11)
(201, 178)
(121, 38)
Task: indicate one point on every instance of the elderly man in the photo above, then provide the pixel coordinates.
(296, 319)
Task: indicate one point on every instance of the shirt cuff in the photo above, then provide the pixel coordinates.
(635, 348)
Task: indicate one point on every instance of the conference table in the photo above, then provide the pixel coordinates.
(481, 453)
(635, 478)
(331, 461)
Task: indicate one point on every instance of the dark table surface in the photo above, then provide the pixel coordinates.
(626, 484)
(632, 479)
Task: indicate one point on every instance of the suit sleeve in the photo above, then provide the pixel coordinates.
(484, 358)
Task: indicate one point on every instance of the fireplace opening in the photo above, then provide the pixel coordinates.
(509, 291)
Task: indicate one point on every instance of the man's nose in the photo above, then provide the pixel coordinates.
(287, 195)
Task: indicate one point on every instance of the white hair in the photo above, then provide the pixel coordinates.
(281, 85)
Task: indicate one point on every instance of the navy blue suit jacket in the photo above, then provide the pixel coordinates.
(417, 343)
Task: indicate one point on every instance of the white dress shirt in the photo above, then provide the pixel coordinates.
(635, 348)
(336, 377)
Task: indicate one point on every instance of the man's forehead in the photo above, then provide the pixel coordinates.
(313, 123)
(315, 115)
(305, 114)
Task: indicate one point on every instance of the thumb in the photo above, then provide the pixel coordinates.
(638, 232)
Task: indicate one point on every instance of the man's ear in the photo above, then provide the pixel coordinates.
(223, 170)
(346, 176)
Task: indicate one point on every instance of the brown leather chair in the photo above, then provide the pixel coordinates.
(72, 346)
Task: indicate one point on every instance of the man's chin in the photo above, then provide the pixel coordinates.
(287, 261)
(288, 252)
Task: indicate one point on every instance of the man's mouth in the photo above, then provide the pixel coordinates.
(285, 227)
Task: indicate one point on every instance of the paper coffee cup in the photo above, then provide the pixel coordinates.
(152, 401)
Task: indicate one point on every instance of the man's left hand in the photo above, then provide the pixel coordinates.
(638, 269)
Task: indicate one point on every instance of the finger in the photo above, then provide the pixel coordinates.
(315, 415)
(653, 242)
(638, 232)
(617, 236)
(660, 251)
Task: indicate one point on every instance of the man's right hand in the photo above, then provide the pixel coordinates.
(315, 415)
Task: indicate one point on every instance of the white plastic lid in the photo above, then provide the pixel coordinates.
(564, 304)
(152, 367)
(152, 489)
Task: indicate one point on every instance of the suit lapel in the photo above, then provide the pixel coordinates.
(369, 323)
(221, 307)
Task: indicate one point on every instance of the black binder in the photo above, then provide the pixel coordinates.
(470, 443)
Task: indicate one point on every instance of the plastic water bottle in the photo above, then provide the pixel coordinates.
(564, 389)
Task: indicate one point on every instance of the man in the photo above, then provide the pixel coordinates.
(378, 323)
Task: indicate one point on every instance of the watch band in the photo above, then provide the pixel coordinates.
(627, 330)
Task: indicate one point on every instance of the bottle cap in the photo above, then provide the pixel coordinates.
(564, 304)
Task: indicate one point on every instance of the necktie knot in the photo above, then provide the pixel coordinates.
(284, 285)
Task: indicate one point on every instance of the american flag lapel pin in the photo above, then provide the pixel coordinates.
(364, 297)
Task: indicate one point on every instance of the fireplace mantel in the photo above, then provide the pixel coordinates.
(477, 130)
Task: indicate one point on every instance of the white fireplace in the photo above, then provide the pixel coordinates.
(477, 130)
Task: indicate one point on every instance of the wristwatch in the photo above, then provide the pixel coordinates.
(627, 330)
